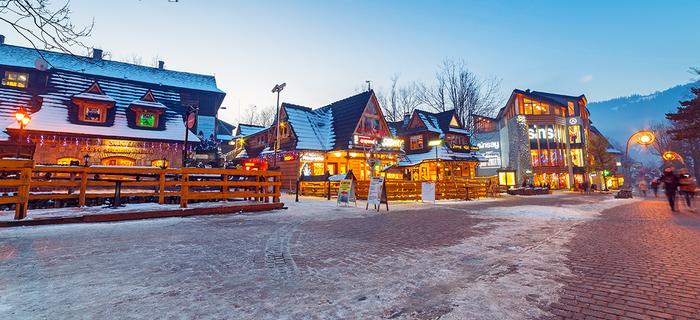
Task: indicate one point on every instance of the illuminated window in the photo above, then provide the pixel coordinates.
(571, 109)
(93, 114)
(454, 123)
(118, 161)
(160, 163)
(416, 142)
(318, 169)
(506, 178)
(15, 79)
(575, 134)
(577, 157)
(66, 161)
(146, 119)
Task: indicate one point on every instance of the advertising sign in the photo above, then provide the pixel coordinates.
(377, 193)
(346, 192)
(428, 192)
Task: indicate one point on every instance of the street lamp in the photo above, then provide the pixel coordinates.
(642, 138)
(23, 120)
(672, 155)
(436, 143)
(277, 89)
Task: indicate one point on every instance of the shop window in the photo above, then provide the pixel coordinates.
(506, 178)
(416, 142)
(454, 123)
(15, 79)
(575, 134)
(160, 163)
(577, 157)
(147, 119)
(331, 168)
(318, 169)
(118, 161)
(67, 161)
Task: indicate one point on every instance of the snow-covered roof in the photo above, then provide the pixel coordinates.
(148, 104)
(54, 116)
(613, 150)
(431, 122)
(312, 128)
(26, 57)
(443, 153)
(94, 96)
(245, 130)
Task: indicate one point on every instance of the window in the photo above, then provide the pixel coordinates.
(93, 114)
(160, 163)
(118, 161)
(15, 79)
(575, 134)
(534, 107)
(416, 142)
(571, 109)
(577, 157)
(146, 119)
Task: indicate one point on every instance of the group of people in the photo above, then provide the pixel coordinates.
(673, 184)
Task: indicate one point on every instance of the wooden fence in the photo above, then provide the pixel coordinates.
(465, 188)
(25, 185)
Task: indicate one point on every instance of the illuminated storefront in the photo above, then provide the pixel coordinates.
(541, 136)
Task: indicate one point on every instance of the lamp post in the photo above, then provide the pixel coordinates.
(436, 143)
(277, 89)
(23, 120)
(86, 160)
(642, 138)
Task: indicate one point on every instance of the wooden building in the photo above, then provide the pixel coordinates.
(102, 111)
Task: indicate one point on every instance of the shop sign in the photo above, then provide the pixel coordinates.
(489, 145)
(364, 140)
(574, 121)
(392, 143)
(346, 192)
(540, 133)
(465, 147)
(376, 194)
(312, 157)
(288, 157)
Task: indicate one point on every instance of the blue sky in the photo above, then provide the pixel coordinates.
(325, 50)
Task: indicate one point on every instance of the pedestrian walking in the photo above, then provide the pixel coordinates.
(687, 188)
(584, 187)
(670, 181)
(655, 187)
(643, 188)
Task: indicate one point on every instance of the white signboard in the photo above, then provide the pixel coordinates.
(428, 192)
(376, 186)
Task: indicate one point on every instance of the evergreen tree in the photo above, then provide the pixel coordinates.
(687, 118)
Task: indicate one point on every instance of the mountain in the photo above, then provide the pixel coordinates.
(618, 118)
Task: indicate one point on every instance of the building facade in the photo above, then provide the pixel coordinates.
(100, 111)
(541, 138)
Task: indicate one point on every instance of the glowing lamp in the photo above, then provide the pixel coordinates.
(644, 137)
(20, 115)
(25, 120)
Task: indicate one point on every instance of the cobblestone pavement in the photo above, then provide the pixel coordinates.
(639, 261)
(503, 259)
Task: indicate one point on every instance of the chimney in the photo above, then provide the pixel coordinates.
(161, 64)
(97, 54)
(2, 39)
(406, 119)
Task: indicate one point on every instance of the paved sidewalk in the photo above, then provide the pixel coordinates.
(639, 261)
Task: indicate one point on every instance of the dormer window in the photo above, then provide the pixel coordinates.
(15, 79)
(93, 104)
(147, 110)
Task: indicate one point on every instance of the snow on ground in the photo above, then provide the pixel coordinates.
(314, 260)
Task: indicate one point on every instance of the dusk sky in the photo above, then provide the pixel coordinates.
(325, 50)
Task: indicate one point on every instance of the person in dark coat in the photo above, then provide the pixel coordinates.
(670, 181)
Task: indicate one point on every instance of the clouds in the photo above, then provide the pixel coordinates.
(587, 78)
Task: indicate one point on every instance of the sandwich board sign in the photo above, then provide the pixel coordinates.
(428, 192)
(377, 193)
(346, 192)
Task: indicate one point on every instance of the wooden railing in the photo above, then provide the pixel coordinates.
(461, 188)
(25, 185)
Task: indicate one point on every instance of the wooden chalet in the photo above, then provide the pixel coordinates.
(102, 111)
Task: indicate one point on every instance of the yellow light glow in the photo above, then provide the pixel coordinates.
(353, 154)
(434, 143)
(25, 120)
(367, 155)
(644, 137)
(337, 154)
(19, 116)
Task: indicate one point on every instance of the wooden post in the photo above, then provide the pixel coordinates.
(83, 187)
(161, 187)
(224, 187)
(184, 189)
(23, 194)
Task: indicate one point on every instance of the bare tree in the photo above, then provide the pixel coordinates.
(45, 27)
(400, 101)
(259, 117)
(456, 87)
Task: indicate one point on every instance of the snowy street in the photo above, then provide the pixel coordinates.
(491, 259)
